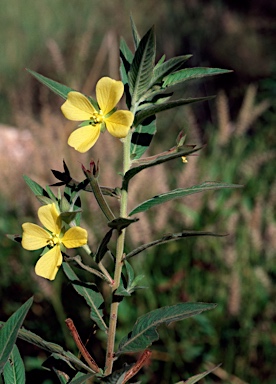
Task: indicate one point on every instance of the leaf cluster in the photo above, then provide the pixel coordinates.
(149, 87)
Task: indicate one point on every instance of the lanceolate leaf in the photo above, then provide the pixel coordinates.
(141, 68)
(14, 371)
(167, 238)
(8, 333)
(169, 66)
(144, 332)
(126, 59)
(191, 73)
(35, 188)
(173, 153)
(135, 34)
(150, 111)
(142, 136)
(126, 51)
(93, 298)
(60, 89)
(32, 338)
(180, 192)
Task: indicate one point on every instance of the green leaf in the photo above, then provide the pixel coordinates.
(142, 137)
(8, 333)
(135, 34)
(56, 349)
(103, 248)
(181, 192)
(168, 67)
(190, 74)
(14, 371)
(50, 193)
(130, 273)
(169, 237)
(121, 223)
(172, 154)
(93, 298)
(44, 200)
(63, 377)
(68, 217)
(117, 377)
(121, 290)
(60, 89)
(35, 187)
(196, 378)
(82, 378)
(15, 238)
(152, 110)
(144, 332)
(128, 55)
(141, 68)
(160, 61)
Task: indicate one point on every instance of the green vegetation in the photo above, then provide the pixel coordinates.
(236, 271)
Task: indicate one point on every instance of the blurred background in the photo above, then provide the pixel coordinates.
(76, 42)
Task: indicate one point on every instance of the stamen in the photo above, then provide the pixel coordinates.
(54, 240)
(96, 118)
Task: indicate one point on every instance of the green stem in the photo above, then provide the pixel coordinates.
(118, 266)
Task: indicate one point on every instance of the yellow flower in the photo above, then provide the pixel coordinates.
(77, 107)
(34, 237)
(184, 159)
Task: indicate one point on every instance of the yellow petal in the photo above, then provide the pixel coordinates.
(48, 265)
(49, 217)
(119, 123)
(77, 107)
(74, 237)
(108, 93)
(82, 139)
(34, 237)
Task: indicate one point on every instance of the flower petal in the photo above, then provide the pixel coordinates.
(74, 237)
(49, 217)
(119, 123)
(82, 139)
(108, 93)
(34, 237)
(49, 263)
(77, 107)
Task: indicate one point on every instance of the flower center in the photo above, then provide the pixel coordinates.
(54, 240)
(97, 118)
